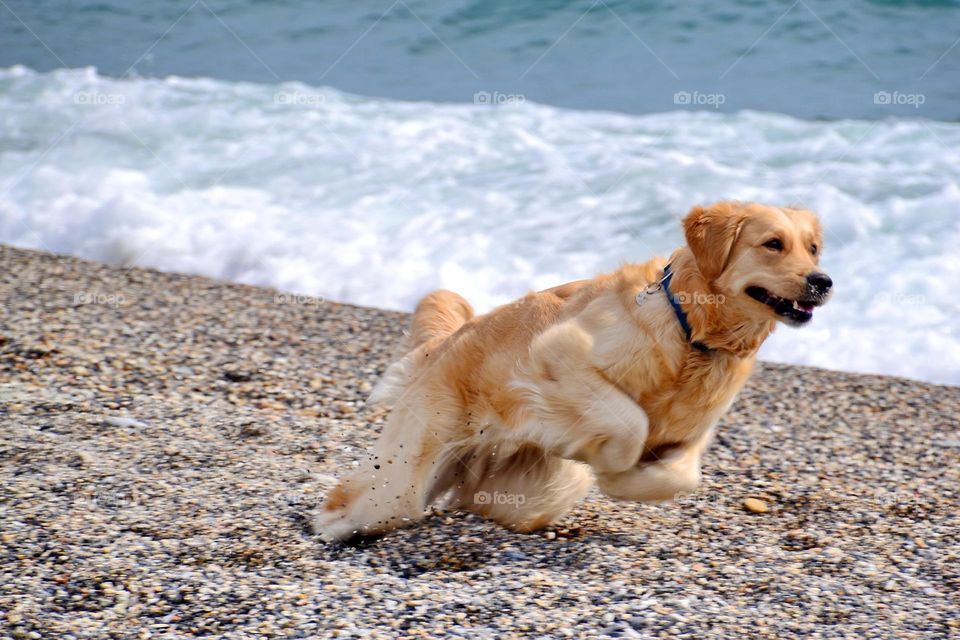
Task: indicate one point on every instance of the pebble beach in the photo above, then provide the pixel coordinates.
(164, 439)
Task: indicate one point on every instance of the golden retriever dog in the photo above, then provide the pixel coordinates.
(620, 379)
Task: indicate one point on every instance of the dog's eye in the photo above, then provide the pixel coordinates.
(814, 248)
(774, 245)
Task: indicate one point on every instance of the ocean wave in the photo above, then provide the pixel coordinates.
(376, 201)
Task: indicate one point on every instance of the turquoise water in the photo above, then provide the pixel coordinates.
(370, 152)
(809, 59)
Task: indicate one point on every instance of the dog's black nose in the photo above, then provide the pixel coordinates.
(820, 282)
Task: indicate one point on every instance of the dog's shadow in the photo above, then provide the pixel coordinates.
(470, 543)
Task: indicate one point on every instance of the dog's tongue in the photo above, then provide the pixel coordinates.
(805, 306)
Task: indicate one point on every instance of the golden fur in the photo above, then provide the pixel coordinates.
(514, 413)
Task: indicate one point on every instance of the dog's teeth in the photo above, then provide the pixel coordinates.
(796, 305)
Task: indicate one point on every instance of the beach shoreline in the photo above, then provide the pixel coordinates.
(166, 436)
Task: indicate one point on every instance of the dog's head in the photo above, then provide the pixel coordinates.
(763, 260)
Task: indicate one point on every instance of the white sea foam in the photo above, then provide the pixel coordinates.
(377, 202)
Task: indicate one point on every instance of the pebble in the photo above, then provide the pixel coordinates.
(755, 505)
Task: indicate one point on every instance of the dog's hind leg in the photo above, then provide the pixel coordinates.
(525, 490)
(408, 467)
(392, 488)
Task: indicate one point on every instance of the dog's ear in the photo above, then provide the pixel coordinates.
(711, 233)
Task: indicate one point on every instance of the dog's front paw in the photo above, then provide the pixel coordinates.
(650, 482)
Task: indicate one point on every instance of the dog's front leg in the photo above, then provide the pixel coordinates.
(572, 411)
(676, 472)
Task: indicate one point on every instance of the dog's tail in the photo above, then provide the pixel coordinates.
(438, 314)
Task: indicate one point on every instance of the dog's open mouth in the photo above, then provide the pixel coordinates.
(794, 311)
